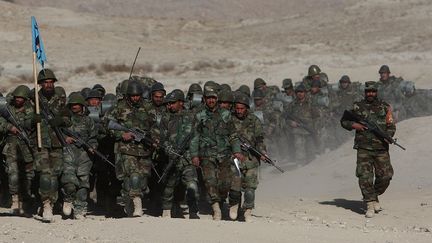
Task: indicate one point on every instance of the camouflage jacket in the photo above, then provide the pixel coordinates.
(391, 92)
(157, 112)
(342, 99)
(214, 134)
(305, 113)
(377, 111)
(85, 128)
(251, 130)
(56, 108)
(270, 118)
(132, 116)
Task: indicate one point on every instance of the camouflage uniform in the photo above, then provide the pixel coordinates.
(174, 130)
(133, 160)
(374, 169)
(77, 166)
(390, 91)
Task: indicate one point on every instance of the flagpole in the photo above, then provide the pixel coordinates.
(36, 89)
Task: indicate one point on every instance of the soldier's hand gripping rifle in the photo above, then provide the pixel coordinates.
(180, 150)
(300, 123)
(22, 134)
(141, 136)
(255, 152)
(372, 127)
(79, 142)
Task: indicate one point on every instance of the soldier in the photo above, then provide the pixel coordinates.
(77, 165)
(313, 74)
(226, 99)
(100, 89)
(194, 97)
(302, 122)
(374, 170)
(212, 146)
(245, 90)
(176, 131)
(157, 107)
(17, 151)
(288, 94)
(133, 160)
(249, 128)
(389, 90)
(49, 159)
(94, 98)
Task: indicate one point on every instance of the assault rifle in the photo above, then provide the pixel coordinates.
(22, 134)
(141, 136)
(181, 149)
(79, 142)
(372, 127)
(255, 152)
(301, 123)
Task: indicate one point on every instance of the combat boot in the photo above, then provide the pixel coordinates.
(67, 208)
(233, 211)
(377, 207)
(248, 215)
(15, 208)
(166, 213)
(137, 207)
(370, 209)
(217, 214)
(47, 214)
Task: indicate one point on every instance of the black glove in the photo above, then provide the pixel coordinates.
(57, 121)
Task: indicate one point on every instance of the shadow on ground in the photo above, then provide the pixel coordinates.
(355, 206)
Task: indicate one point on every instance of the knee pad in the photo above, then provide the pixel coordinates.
(81, 194)
(13, 179)
(249, 197)
(192, 191)
(135, 182)
(69, 189)
(45, 183)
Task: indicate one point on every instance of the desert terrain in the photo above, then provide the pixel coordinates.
(234, 42)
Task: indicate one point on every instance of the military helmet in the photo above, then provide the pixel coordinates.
(94, 94)
(384, 69)
(85, 92)
(124, 86)
(76, 98)
(258, 83)
(60, 91)
(99, 88)
(170, 97)
(242, 99)
(371, 85)
(245, 90)
(345, 78)
(258, 94)
(157, 87)
(225, 87)
(109, 97)
(226, 96)
(21, 91)
(45, 74)
(212, 85)
(194, 89)
(210, 92)
(287, 83)
(300, 88)
(134, 88)
(313, 70)
(178, 95)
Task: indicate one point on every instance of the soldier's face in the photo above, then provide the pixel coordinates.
(211, 102)
(384, 76)
(300, 95)
(240, 110)
(19, 101)
(344, 85)
(289, 91)
(94, 102)
(174, 106)
(371, 95)
(76, 108)
(258, 102)
(157, 97)
(315, 90)
(225, 105)
(48, 86)
(135, 98)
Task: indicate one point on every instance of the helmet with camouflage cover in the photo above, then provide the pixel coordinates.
(287, 83)
(212, 85)
(194, 88)
(225, 96)
(225, 87)
(258, 83)
(210, 91)
(157, 87)
(60, 91)
(371, 86)
(134, 88)
(178, 95)
(76, 98)
(242, 99)
(21, 91)
(46, 74)
(313, 70)
(258, 94)
(384, 69)
(244, 89)
(94, 94)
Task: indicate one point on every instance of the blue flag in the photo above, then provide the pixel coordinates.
(37, 44)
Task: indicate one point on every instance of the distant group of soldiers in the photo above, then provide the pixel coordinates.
(144, 144)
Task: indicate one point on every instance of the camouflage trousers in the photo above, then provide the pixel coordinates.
(133, 171)
(217, 176)
(187, 175)
(247, 183)
(19, 167)
(374, 172)
(75, 179)
(49, 164)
